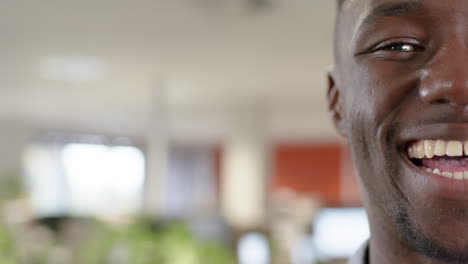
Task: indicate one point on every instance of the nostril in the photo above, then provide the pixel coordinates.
(441, 101)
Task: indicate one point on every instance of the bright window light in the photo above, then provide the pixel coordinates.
(88, 179)
(44, 179)
(339, 232)
(253, 248)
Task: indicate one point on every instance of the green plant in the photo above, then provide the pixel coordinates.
(7, 250)
(145, 242)
(11, 185)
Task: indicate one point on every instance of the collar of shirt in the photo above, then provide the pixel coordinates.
(361, 256)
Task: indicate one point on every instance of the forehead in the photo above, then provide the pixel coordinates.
(357, 12)
(356, 16)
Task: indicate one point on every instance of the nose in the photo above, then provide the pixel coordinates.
(445, 81)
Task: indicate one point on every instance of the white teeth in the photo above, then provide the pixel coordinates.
(411, 152)
(447, 174)
(419, 150)
(429, 148)
(459, 175)
(454, 149)
(440, 148)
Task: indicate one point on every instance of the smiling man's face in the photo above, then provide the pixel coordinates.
(399, 94)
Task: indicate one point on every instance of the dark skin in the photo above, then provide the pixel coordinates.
(401, 74)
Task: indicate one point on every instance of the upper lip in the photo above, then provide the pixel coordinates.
(442, 131)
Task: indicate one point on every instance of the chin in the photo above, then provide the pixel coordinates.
(447, 243)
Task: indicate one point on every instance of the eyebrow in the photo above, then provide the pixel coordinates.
(393, 10)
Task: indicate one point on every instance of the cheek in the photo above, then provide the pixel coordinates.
(379, 91)
(361, 104)
(378, 101)
(373, 112)
(366, 150)
(378, 165)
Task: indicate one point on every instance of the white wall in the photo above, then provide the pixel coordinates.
(13, 139)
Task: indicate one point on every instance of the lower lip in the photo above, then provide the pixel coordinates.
(447, 188)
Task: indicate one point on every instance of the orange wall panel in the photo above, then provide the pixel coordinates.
(313, 169)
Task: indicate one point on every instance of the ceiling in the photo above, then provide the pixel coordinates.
(199, 60)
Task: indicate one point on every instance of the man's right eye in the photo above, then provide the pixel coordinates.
(394, 49)
(397, 50)
(404, 47)
(401, 46)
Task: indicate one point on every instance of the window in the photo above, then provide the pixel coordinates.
(84, 179)
(339, 232)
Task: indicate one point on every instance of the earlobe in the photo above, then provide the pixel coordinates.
(335, 104)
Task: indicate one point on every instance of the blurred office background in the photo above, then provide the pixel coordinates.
(172, 132)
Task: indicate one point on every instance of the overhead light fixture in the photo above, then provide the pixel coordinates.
(73, 69)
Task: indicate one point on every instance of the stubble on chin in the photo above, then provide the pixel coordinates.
(415, 238)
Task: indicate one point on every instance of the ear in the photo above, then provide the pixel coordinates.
(335, 103)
